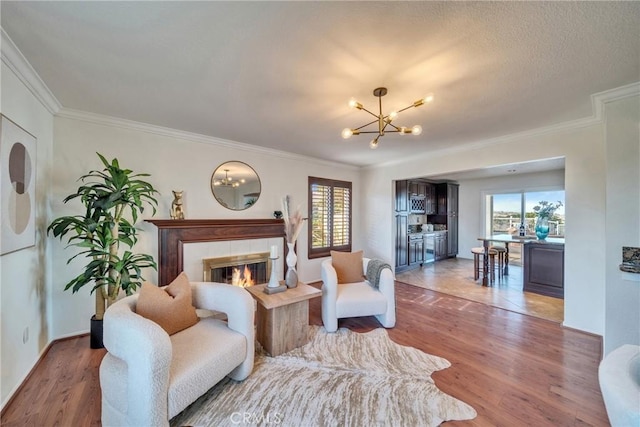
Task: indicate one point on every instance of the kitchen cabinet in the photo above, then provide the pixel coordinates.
(430, 201)
(447, 196)
(416, 250)
(422, 197)
(402, 196)
(441, 249)
(417, 188)
(544, 268)
(401, 240)
(452, 219)
(402, 224)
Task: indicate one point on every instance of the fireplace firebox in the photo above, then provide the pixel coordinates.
(238, 270)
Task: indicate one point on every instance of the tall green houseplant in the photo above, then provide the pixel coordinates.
(105, 234)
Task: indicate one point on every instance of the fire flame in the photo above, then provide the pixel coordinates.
(242, 278)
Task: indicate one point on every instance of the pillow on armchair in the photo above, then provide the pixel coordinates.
(348, 266)
(170, 307)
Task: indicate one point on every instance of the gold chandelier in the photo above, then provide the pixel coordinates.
(227, 181)
(384, 121)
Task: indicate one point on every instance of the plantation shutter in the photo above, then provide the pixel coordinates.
(330, 216)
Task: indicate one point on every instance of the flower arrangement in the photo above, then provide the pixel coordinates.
(292, 222)
(546, 209)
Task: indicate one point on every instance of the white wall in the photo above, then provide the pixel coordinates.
(24, 292)
(622, 319)
(583, 149)
(174, 163)
(471, 204)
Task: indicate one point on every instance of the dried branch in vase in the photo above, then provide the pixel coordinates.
(292, 222)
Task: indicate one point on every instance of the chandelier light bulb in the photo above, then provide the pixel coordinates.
(416, 130)
(346, 133)
(373, 144)
(353, 103)
(393, 115)
(428, 98)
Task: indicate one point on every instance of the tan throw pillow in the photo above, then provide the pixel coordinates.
(171, 307)
(348, 266)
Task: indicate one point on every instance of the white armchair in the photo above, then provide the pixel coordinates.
(357, 299)
(147, 377)
(619, 376)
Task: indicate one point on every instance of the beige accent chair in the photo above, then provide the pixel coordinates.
(148, 377)
(357, 299)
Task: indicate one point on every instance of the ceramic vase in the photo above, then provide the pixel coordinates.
(542, 228)
(291, 277)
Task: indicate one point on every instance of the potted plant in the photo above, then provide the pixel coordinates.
(113, 198)
(544, 211)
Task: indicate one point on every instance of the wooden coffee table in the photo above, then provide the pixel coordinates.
(282, 319)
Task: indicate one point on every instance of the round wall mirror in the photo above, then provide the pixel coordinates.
(235, 185)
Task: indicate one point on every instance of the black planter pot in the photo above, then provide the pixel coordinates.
(96, 333)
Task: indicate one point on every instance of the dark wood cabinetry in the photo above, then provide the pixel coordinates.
(544, 269)
(416, 250)
(441, 248)
(402, 196)
(401, 241)
(402, 224)
(447, 210)
(433, 198)
(430, 201)
(452, 219)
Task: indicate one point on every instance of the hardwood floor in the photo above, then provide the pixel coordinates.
(454, 276)
(515, 370)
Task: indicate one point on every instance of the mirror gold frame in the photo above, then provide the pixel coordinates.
(235, 185)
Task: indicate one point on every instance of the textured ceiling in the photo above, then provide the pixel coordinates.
(279, 74)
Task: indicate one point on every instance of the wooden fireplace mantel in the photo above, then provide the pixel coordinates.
(174, 233)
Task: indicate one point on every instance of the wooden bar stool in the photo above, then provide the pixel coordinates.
(477, 267)
(501, 255)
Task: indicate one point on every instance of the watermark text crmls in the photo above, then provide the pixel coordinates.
(249, 418)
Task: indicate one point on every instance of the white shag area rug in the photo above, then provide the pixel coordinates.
(340, 379)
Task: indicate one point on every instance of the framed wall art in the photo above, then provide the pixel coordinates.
(17, 187)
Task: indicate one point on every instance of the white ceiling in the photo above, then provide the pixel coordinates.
(279, 74)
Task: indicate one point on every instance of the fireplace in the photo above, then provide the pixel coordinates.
(175, 236)
(238, 270)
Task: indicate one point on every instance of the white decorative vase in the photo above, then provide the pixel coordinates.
(291, 278)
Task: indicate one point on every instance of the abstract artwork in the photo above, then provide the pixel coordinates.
(17, 187)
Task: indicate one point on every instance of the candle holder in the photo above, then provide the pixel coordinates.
(274, 286)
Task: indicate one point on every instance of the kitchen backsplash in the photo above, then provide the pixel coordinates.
(418, 228)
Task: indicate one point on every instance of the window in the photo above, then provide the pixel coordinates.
(329, 216)
(505, 212)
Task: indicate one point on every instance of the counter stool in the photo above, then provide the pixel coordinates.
(502, 252)
(477, 268)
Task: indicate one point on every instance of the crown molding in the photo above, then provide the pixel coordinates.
(597, 107)
(18, 64)
(598, 100)
(105, 120)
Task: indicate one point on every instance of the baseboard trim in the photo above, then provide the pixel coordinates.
(43, 353)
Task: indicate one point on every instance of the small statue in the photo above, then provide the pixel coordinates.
(177, 211)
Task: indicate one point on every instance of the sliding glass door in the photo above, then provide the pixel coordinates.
(507, 211)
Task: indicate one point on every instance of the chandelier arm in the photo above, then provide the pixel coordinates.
(374, 131)
(363, 126)
(374, 115)
(406, 108)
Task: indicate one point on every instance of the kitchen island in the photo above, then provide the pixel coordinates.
(543, 262)
(543, 267)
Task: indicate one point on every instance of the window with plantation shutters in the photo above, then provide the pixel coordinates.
(329, 216)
